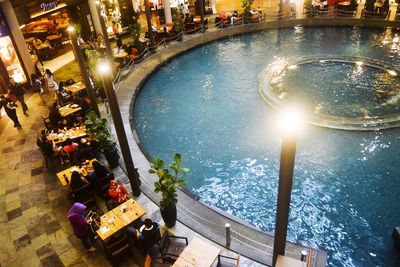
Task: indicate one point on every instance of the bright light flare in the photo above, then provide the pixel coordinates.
(290, 120)
(104, 67)
(392, 72)
(292, 67)
(70, 28)
(359, 63)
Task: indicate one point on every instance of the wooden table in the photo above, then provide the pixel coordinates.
(72, 133)
(120, 55)
(76, 87)
(120, 217)
(84, 170)
(69, 109)
(198, 253)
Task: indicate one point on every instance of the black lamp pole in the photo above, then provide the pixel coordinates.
(133, 175)
(82, 68)
(288, 153)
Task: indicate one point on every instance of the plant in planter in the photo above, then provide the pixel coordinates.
(246, 5)
(169, 179)
(97, 130)
(177, 19)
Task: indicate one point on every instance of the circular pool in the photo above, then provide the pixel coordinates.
(205, 104)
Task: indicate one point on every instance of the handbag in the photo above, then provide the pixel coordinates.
(93, 220)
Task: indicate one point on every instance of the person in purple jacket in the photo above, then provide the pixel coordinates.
(81, 229)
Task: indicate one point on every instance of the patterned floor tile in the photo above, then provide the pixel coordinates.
(52, 261)
(36, 171)
(22, 242)
(20, 142)
(45, 251)
(52, 227)
(11, 215)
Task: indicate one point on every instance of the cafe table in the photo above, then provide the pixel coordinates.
(65, 175)
(119, 217)
(198, 253)
(71, 133)
(120, 55)
(69, 109)
(76, 87)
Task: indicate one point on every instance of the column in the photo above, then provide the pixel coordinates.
(167, 12)
(213, 5)
(18, 37)
(95, 16)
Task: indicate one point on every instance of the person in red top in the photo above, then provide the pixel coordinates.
(117, 192)
(70, 147)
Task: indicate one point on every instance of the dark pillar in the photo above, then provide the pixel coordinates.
(148, 18)
(104, 32)
(288, 152)
(202, 7)
(82, 68)
(133, 175)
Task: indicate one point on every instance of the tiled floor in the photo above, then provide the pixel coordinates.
(34, 205)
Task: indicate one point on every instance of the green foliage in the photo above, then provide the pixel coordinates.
(177, 19)
(135, 30)
(246, 5)
(169, 179)
(97, 129)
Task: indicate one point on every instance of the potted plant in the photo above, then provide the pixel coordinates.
(169, 179)
(177, 19)
(97, 130)
(246, 5)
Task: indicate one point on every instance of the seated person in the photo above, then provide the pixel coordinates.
(54, 114)
(117, 193)
(43, 143)
(147, 235)
(70, 147)
(83, 153)
(64, 124)
(83, 103)
(99, 171)
(77, 181)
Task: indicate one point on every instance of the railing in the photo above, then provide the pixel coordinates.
(219, 24)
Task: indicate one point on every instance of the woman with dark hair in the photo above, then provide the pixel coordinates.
(77, 181)
(77, 219)
(99, 171)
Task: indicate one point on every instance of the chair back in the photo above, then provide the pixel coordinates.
(228, 261)
(84, 195)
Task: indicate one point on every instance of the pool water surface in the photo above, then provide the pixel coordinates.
(205, 105)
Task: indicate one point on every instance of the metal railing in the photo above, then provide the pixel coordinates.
(220, 24)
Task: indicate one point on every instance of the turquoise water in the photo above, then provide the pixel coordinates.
(205, 105)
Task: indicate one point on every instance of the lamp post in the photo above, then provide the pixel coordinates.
(81, 62)
(290, 123)
(105, 71)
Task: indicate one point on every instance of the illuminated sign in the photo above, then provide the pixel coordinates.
(51, 5)
(9, 57)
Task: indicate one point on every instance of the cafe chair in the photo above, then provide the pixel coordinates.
(156, 262)
(228, 261)
(172, 246)
(116, 246)
(85, 196)
(48, 124)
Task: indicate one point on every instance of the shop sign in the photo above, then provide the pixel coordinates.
(50, 5)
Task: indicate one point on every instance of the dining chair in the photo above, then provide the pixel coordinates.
(85, 196)
(116, 246)
(156, 262)
(172, 246)
(228, 261)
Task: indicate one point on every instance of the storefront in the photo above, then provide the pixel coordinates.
(119, 11)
